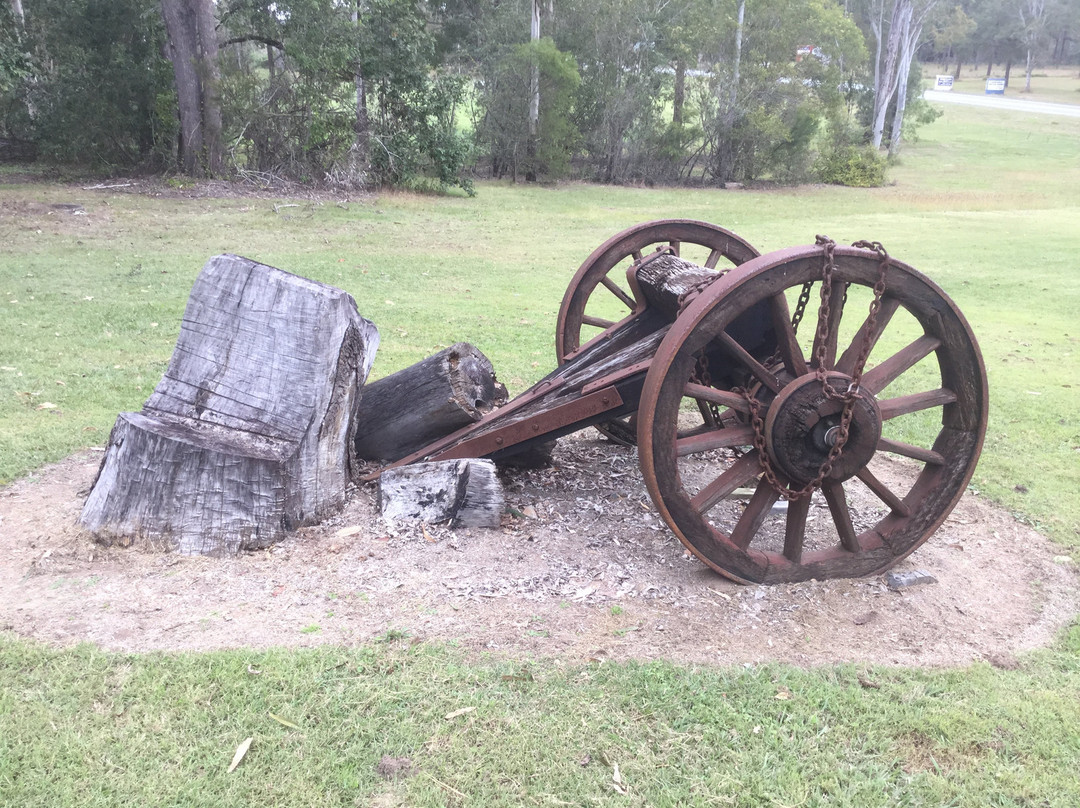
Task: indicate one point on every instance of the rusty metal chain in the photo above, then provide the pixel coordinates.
(800, 306)
(849, 396)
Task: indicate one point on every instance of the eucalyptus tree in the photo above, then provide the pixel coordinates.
(1033, 31)
(192, 48)
(777, 71)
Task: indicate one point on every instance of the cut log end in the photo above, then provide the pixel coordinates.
(408, 410)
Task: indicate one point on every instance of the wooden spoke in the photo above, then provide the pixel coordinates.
(689, 483)
(882, 492)
(724, 398)
(905, 405)
(700, 429)
(787, 342)
(602, 273)
(795, 529)
(713, 259)
(675, 246)
(618, 291)
(757, 509)
(836, 312)
(881, 375)
(841, 515)
(889, 305)
(907, 450)
(599, 322)
(737, 475)
(718, 439)
(760, 372)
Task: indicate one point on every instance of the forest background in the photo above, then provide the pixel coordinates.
(423, 94)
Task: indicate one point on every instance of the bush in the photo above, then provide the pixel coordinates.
(854, 166)
(504, 98)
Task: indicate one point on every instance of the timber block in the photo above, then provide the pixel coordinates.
(249, 434)
(464, 493)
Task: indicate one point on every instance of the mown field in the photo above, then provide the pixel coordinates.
(985, 203)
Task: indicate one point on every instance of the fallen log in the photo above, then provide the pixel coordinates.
(465, 493)
(248, 434)
(409, 409)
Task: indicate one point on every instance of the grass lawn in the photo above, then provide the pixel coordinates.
(84, 728)
(985, 203)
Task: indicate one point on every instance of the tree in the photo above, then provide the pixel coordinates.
(763, 109)
(951, 33)
(1033, 28)
(905, 32)
(350, 94)
(506, 128)
(92, 87)
(618, 105)
(193, 50)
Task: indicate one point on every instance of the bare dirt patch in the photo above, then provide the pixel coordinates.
(594, 574)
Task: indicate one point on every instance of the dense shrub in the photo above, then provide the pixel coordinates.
(855, 166)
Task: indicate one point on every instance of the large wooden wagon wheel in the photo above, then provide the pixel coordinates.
(599, 297)
(915, 423)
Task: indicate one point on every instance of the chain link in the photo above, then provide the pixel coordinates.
(849, 396)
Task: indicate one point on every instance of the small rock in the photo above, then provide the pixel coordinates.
(902, 580)
(1064, 561)
(529, 512)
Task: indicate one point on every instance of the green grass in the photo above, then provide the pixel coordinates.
(81, 727)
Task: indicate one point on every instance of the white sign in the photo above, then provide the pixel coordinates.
(995, 86)
(943, 82)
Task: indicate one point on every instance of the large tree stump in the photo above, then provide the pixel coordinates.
(409, 409)
(248, 435)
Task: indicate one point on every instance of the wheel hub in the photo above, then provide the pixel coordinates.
(803, 424)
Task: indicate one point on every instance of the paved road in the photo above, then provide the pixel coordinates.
(1001, 102)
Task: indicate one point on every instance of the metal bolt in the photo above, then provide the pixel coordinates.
(832, 435)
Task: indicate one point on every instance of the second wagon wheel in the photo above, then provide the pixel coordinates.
(598, 296)
(915, 422)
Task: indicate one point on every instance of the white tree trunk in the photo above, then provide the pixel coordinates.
(733, 97)
(907, 54)
(876, 28)
(534, 75)
(901, 16)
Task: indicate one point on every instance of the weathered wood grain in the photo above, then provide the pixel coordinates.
(249, 433)
(465, 493)
(409, 409)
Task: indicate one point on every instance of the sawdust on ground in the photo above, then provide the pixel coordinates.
(591, 573)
